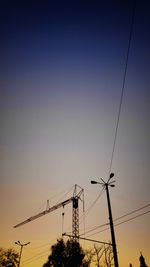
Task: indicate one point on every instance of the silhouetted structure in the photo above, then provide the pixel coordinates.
(78, 191)
(106, 186)
(142, 261)
(21, 248)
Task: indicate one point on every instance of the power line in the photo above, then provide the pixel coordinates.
(127, 214)
(94, 202)
(36, 248)
(44, 253)
(36, 257)
(123, 84)
(38, 254)
(139, 215)
(95, 228)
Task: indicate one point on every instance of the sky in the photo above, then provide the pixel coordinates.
(62, 67)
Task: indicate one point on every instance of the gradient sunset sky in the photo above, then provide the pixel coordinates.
(62, 65)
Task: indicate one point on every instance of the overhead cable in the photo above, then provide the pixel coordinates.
(125, 215)
(123, 84)
(139, 215)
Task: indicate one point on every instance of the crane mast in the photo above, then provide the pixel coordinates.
(75, 211)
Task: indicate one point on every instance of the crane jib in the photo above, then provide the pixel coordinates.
(77, 193)
(62, 204)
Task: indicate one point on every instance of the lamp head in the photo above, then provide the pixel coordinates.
(111, 175)
(93, 182)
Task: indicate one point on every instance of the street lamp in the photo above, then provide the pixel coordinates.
(106, 186)
(21, 247)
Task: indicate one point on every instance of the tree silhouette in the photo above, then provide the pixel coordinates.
(99, 256)
(88, 259)
(69, 254)
(8, 257)
(102, 255)
(108, 256)
(98, 253)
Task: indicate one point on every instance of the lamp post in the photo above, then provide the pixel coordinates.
(106, 186)
(21, 247)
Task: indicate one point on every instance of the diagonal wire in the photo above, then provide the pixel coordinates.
(94, 202)
(123, 85)
(125, 215)
(131, 212)
(132, 218)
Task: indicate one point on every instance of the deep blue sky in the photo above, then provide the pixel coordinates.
(71, 36)
(44, 34)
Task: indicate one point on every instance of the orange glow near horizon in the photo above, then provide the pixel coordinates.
(43, 232)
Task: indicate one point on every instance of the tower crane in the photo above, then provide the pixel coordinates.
(78, 192)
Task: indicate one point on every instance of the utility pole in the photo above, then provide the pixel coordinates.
(21, 248)
(106, 186)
